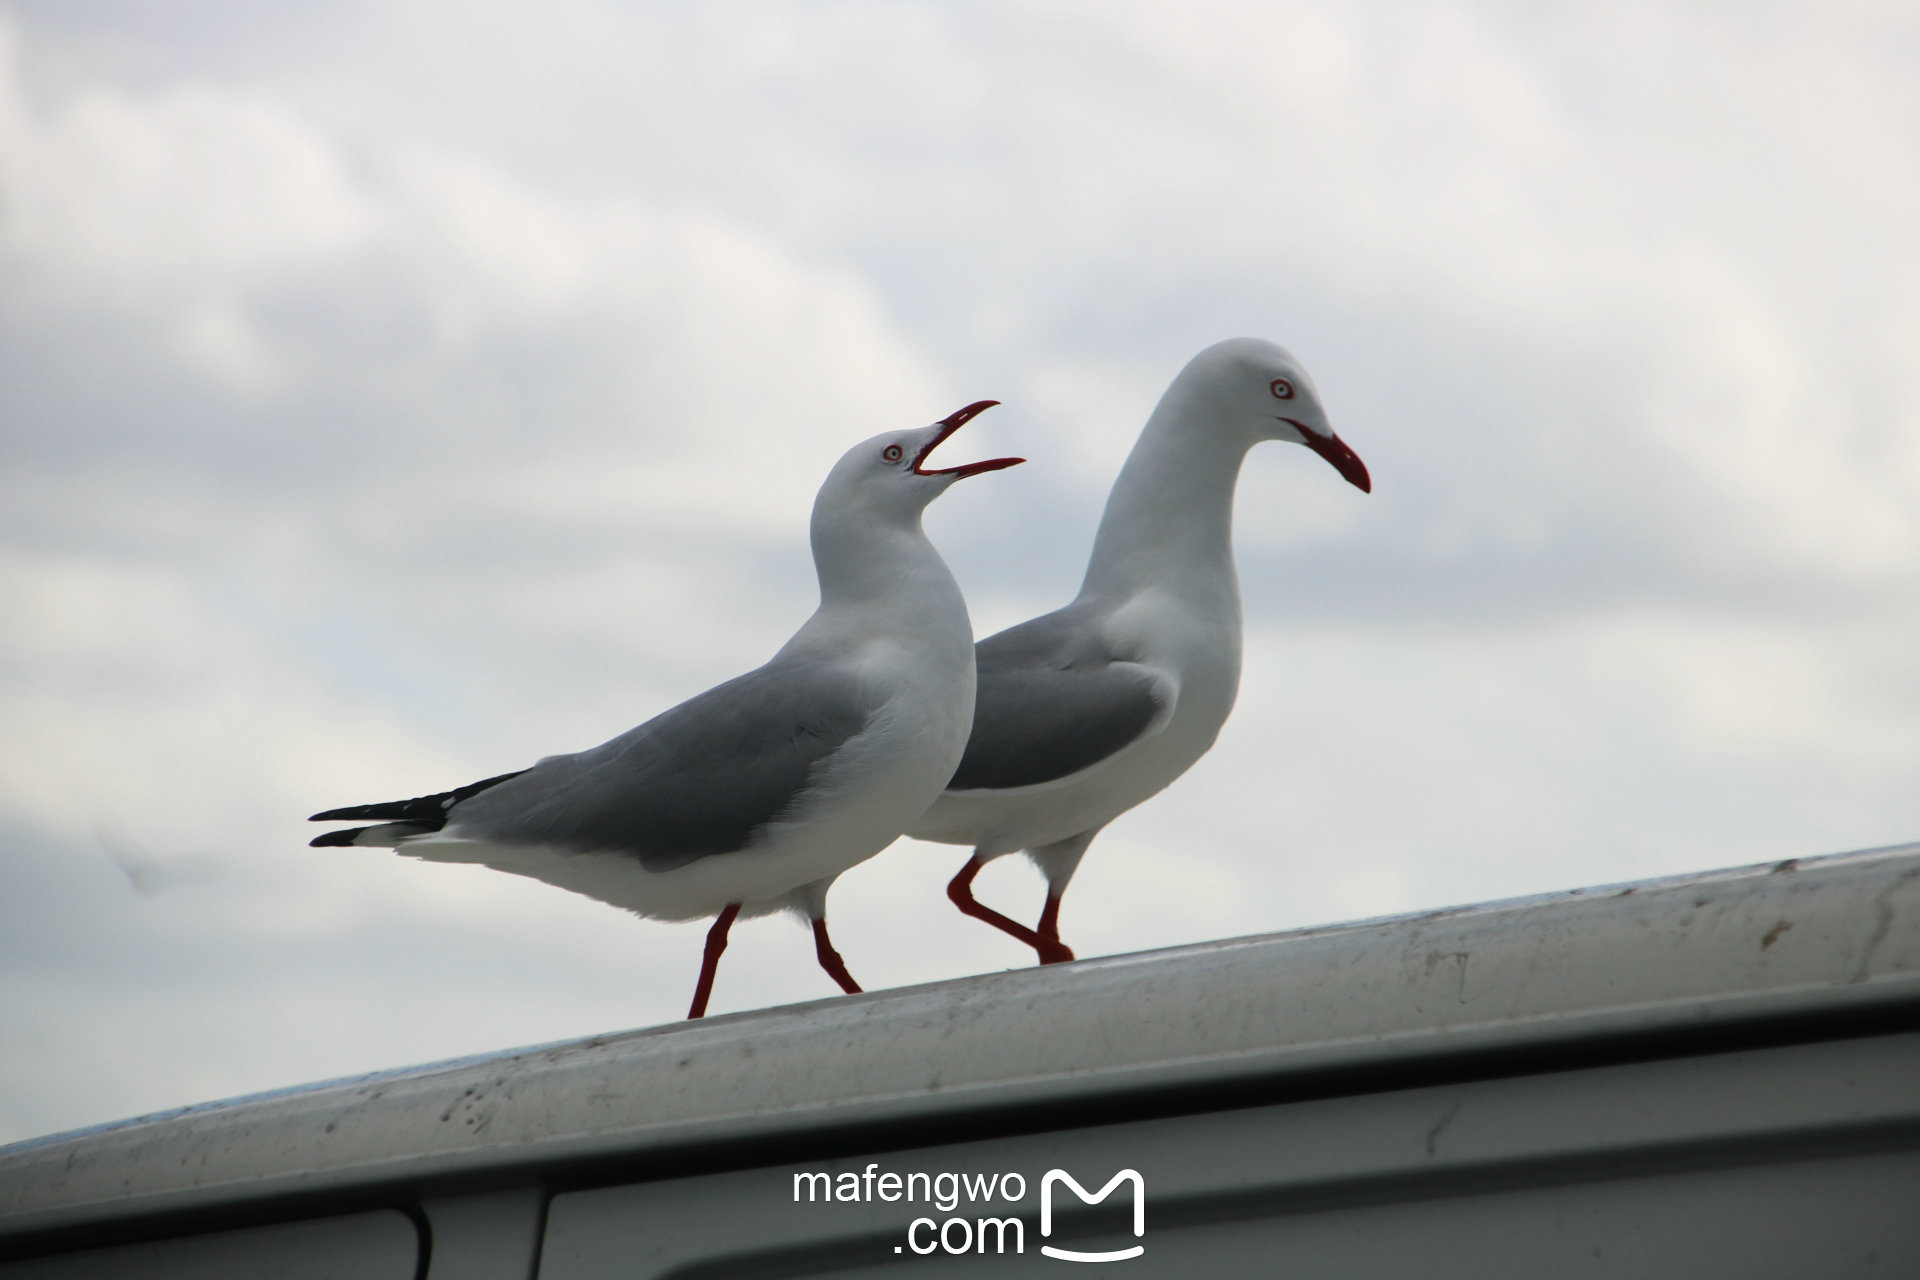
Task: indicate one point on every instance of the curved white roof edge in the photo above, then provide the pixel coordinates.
(1803, 936)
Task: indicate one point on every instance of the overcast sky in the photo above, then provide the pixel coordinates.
(392, 393)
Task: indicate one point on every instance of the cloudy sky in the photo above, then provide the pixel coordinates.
(392, 393)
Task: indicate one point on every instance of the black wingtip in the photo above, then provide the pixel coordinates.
(335, 838)
(430, 812)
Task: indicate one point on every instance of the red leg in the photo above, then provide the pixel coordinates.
(830, 959)
(710, 962)
(1050, 930)
(960, 892)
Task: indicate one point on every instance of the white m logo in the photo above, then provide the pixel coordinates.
(1139, 1213)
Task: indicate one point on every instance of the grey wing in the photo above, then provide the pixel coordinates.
(1051, 701)
(701, 779)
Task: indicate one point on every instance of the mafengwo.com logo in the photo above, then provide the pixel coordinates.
(990, 1223)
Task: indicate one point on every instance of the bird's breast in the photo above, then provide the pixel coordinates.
(1197, 645)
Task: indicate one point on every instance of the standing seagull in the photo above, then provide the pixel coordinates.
(1084, 712)
(754, 796)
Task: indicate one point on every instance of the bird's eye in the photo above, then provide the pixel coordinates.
(893, 453)
(1282, 389)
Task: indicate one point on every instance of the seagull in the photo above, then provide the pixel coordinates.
(1084, 712)
(752, 797)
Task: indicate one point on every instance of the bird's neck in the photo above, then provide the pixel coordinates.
(888, 568)
(1169, 520)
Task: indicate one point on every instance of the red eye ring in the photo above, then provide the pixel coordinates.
(1281, 388)
(893, 453)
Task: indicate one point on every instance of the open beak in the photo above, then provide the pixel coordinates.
(948, 426)
(1334, 450)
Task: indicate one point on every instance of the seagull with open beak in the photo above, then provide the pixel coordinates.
(752, 797)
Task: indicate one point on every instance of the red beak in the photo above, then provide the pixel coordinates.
(950, 424)
(1335, 451)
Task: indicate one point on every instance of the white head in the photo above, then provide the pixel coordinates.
(887, 477)
(1251, 386)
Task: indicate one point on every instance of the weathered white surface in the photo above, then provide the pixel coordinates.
(1824, 934)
